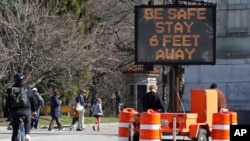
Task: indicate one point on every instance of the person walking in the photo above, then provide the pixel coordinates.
(151, 100)
(118, 102)
(20, 102)
(39, 101)
(96, 109)
(74, 115)
(80, 100)
(55, 112)
(222, 102)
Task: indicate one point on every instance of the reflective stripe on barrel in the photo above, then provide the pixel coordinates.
(124, 122)
(221, 126)
(150, 123)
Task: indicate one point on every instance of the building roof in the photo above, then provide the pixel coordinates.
(141, 69)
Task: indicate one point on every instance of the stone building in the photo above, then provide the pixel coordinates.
(138, 81)
(232, 69)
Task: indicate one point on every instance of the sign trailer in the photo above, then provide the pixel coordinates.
(175, 34)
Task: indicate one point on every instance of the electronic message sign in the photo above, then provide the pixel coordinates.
(175, 34)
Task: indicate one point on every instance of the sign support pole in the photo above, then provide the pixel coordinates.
(164, 82)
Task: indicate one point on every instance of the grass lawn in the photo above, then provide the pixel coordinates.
(66, 120)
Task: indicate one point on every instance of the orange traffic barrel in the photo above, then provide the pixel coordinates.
(124, 124)
(150, 123)
(233, 118)
(221, 126)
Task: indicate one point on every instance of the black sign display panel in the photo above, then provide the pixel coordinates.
(175, 34)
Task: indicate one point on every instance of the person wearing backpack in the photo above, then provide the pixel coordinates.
(39, 102)
(21, 103)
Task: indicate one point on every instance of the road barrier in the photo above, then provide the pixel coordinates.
(150, 123)
(149, 126)
(125, 117)
(221, 126)
(233, 118)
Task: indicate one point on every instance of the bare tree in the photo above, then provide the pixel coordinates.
(43, 45)
(67, 51)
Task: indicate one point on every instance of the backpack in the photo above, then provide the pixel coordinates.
(18, 97)
(39, 100)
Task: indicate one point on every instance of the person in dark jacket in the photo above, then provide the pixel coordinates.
(39, 101)
(152, 100)
(24, 112)
(55, 112)
(118, 102)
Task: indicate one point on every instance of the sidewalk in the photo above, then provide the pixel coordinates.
(65, 126)
(107, 133)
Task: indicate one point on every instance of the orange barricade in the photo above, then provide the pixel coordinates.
(150, 123)
(221, 126)
(233, 118)
(124, 123)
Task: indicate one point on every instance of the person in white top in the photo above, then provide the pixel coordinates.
(96, 109)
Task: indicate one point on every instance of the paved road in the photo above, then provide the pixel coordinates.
(109, 132)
